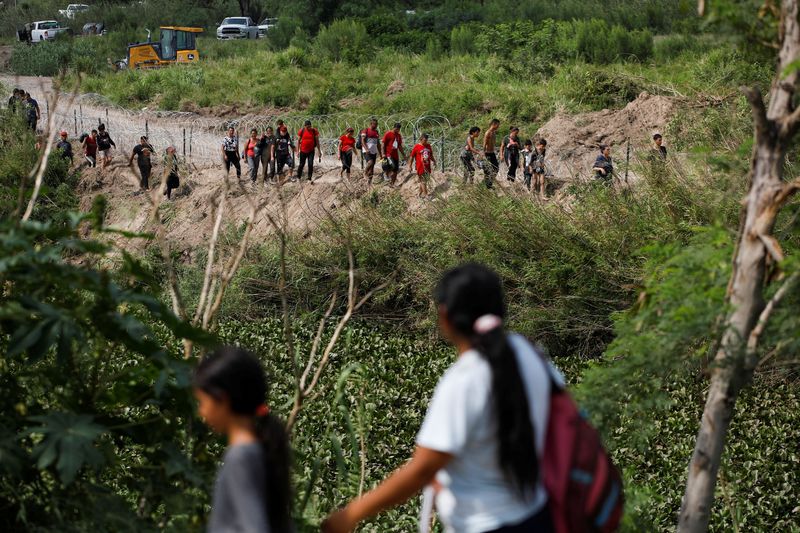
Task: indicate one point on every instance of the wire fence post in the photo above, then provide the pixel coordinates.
(146, 130)
(80, 107)
(441, 154)
(184, 143)
(47, 108)
(75, 118)
(107, 118)
(627, 160)
(191, 133)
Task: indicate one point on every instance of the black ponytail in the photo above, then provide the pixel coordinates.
(233, 373)
(467, 293)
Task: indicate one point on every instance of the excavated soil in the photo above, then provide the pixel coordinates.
(574, 139)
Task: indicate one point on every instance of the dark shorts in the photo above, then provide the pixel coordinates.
(370, 157)
(395, 162)
(538, 523)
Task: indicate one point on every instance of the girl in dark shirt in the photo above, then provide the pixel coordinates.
(252, 492)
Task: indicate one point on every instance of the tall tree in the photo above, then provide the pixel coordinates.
(757, 251)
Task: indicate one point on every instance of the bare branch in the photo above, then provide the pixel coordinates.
(212, 246)
(762, 124)
(763, 319)
(317, 340)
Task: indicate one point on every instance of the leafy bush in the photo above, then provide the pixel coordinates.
(462, 41)
(597, 42)
(600, 89)
(344, 40)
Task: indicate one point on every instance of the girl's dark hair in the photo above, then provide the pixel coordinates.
(474, 129)
(234, 373)
(467, 293)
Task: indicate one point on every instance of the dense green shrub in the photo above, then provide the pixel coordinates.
(599, 42)
(462, 41)
(344, 40)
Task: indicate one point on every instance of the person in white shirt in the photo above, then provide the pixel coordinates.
(480, 444)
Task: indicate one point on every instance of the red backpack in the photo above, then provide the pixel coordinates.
(584, 487)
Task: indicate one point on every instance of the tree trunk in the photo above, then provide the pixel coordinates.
(774, 128)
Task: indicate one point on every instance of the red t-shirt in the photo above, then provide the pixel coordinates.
(389, 139)
(422, 154)
(250, 147)
(308, 139)
(347, 143)
(91, 146)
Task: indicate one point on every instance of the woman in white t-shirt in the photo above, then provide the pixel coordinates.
(483, 434)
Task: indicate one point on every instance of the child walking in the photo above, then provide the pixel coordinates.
(252, 491)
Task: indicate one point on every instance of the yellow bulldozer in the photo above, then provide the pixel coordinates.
(176, 44)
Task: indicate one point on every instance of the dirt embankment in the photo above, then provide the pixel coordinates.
(573, 140)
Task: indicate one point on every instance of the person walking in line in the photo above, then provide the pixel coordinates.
(480, 444)
(89, 145)
(603, 166)
(230, 152)
(143, 153)
(659, 150)
(371, 148)
(252, 155)
(540, 167)
(422, 156)
(252, 493)
(64, 148)
(32, 112)
(393, 150)
(491, 165)
(15, 100)
(509, 152)
(283, 128)
(266, 145)
(171, 170)
(308, 141)
(282, 150)
(528, 155)
(345, 150)
(104, 144)
(470, 153)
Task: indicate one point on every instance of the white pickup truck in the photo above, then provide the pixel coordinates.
(72, 10)
(237, 28)
(43, 30)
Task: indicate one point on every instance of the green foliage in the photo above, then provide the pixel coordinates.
(598, 42)
(344, 40)
(87, 382)
(462, 41)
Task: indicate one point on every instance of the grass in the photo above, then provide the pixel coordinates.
(465, 88)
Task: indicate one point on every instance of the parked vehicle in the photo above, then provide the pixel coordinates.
(43, 30)
(237, 28)
(94, 28)
(266, 25)
(177, 44)
(72, 10)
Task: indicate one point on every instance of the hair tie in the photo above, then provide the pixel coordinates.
(486, 323)
(262, 410)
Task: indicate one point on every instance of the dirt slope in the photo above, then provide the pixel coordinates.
(573, 139)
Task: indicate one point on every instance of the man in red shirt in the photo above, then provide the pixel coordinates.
(422, 155)
(308, 140)
(371, 148)
(393, 148)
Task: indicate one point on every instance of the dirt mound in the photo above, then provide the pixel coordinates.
(573, 139)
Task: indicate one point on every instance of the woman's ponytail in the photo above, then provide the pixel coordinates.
(472, 296)
(274, 440)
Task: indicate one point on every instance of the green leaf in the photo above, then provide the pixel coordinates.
(69, 441)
